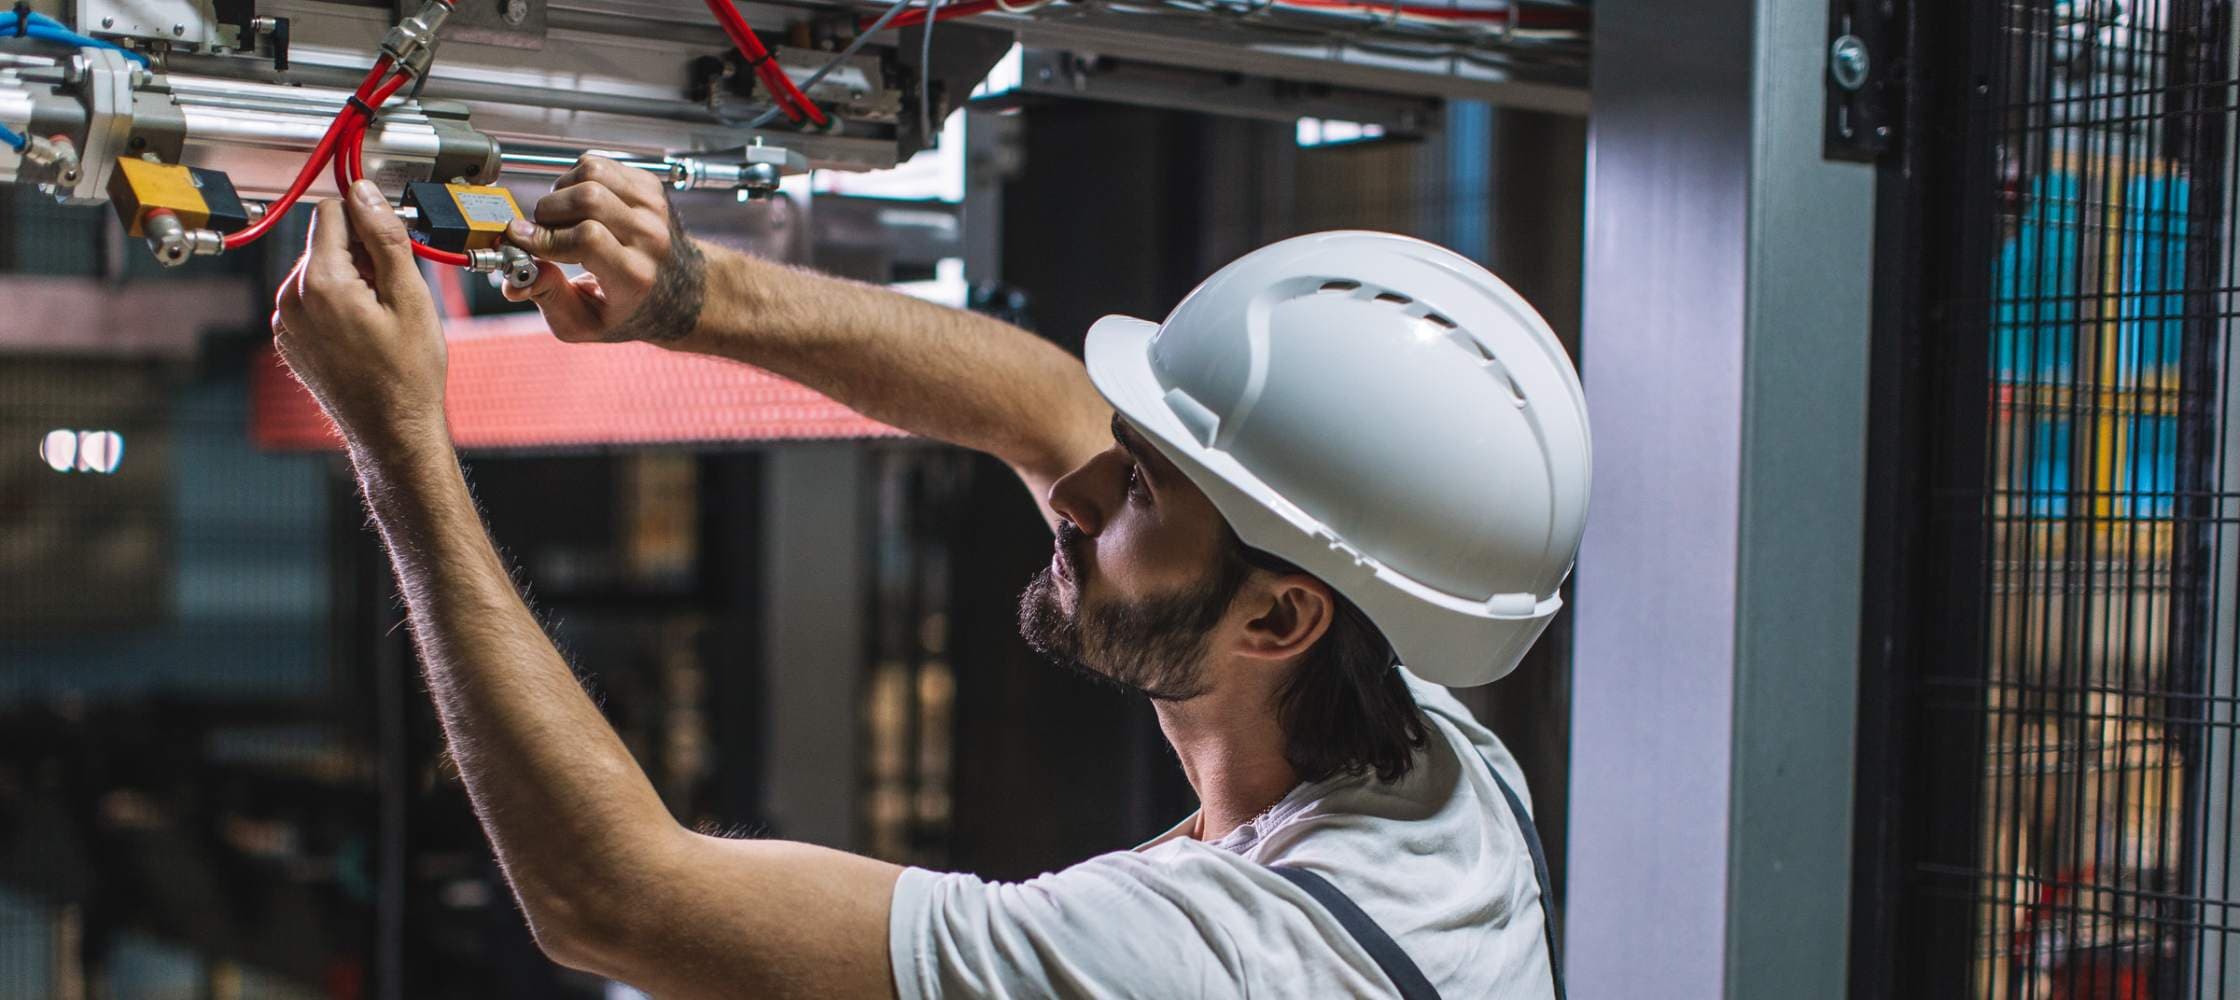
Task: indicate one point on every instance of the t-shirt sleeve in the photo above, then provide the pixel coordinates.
(1180, 920)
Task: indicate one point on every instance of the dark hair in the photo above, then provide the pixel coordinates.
(1345, 709)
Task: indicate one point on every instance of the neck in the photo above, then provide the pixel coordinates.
(1232, 751)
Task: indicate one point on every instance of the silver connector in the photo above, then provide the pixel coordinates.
(510, 262)
(412, 43)
(53, 162)
(173, 243)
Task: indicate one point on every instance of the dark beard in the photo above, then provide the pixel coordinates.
(1154, 647)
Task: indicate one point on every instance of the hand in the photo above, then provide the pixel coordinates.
(355, 323)
(647, 279)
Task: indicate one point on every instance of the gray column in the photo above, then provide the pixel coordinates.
(1725, 359)
(813, 563)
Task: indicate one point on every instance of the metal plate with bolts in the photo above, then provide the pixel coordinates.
(513, 24)
(1861, 88)
(181, 22)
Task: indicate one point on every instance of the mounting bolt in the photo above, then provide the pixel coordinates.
(178, 30)
(1847, 62)
(108, 22)
(516, 11)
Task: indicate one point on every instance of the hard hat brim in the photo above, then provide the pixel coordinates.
(1445, 639)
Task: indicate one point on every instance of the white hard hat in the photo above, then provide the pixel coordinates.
(1384, 414)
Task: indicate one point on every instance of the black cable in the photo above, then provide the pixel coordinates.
(925, 76)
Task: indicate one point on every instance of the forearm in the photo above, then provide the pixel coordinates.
(607, 878)
(558, 795)
(942, 373)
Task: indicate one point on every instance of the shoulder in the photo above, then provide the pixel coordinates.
(1448, 713)
(1437, 859)
(1183, 918)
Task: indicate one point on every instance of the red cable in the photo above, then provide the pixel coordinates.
(349, 161)
(783, 91)
(320, 154)
(745, 41)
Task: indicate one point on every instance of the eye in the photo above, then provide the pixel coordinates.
(1136, 488)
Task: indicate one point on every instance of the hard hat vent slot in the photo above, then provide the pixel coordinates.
(1441, 321)
(1394, 297)
(1339, 286)
(1480, 349)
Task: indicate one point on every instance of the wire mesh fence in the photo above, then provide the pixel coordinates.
(2101, 691)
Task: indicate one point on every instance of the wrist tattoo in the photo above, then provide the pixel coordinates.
(680, 285)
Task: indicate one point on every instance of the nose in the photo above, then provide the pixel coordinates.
(1085, 495)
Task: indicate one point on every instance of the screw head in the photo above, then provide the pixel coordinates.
(108, 22)
(1848, 62)
(178, 29)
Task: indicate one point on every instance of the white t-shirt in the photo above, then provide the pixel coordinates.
(1435, 859)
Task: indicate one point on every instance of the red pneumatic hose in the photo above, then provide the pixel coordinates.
(320, 154)
(783, 92)
(349, 161)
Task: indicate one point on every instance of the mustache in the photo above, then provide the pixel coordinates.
(1070, 542)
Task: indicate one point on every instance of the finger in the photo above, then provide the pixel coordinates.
(566, 309)
(589, 243)
(636, 187)
(327, 256)
(388, 248)
(593, 202)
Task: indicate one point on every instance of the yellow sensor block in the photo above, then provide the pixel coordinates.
(202, 199)
(460, 217)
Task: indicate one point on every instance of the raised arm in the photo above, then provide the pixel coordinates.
(942, 373)
(609, 881)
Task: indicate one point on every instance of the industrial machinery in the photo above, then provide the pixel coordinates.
(203, 121)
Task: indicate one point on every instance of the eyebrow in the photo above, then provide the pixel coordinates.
(1125, 436)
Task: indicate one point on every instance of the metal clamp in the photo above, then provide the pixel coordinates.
(104, 78)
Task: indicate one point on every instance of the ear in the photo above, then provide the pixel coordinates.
(1290, 612)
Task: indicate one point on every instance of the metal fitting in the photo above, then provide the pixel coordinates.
(510, 262)
(759, 179)
(172, 242)
(53, 161)
(412, 43)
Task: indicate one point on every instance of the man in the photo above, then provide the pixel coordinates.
(1341, 450)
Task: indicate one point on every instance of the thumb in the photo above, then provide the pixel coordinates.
(387, 245)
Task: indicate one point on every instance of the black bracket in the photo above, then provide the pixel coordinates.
(1861, 79)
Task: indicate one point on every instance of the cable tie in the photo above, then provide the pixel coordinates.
(359, 103)
(23, 18)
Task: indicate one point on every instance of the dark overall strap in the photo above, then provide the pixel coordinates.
(1539, 872)
(1386, 952)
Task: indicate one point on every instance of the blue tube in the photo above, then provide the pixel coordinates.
(12, 138)
(48, 29)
